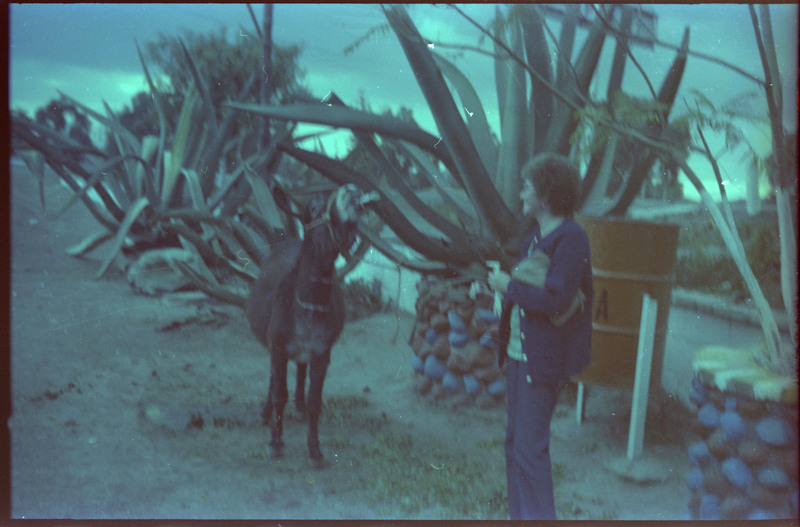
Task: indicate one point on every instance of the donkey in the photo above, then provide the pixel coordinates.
(296, 308)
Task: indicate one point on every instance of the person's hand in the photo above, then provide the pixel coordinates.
(498, 280)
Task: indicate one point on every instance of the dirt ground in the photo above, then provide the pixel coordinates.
(106, 385)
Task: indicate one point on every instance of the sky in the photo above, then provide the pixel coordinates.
(88, 51)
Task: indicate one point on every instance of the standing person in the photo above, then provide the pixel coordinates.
(545, 326)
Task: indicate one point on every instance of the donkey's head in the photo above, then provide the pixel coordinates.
(330, 226)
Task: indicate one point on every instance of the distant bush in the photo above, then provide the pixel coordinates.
(704, 263)
(364, 298)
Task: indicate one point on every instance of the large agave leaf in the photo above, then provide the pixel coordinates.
(101, 172)
(220, 140)
(477, 124)
(162, 125)
(429, 171)
(122, 185)
(264, 200)
(133, 213)
(620, 56)
(89, 243)
(450, 124)
(538, 54)
(395, 254)
(182, 131)
(576, 86)
(202, 86)
(513, 133)
(344, 117)
(500, 74)
(34, 160)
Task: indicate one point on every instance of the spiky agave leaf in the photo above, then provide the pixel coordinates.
(119, 239)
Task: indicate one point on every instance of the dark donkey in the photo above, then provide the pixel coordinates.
(296, 307)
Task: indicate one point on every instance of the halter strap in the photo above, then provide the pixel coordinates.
(324, 219)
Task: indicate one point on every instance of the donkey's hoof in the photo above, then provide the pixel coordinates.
(319, 463)
(277, 449)
(317, 459)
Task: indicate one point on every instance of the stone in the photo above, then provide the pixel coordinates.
(774, 431)
(431, 335)
(471, 384)
(457, 339)
(487, 314)
(694, 478)
(737, 472)
(155, 272)
(773, 478)
(709, 415)
(719, 445)
(456, 322)
(732, 425)
(451, 382)
(715, 482)
(417, 364)
(497, 387)
(709, 507)
(754, 453)
(440, 323)
(734, 508)
(699, 453)
(434, 368)
(441, 348)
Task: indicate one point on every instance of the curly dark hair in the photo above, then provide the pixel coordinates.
(556, 182)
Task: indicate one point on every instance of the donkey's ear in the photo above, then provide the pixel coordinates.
(282, 198)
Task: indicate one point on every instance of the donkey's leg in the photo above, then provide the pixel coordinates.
(279, 394)
(319, 367)
(300, 390)
(266, 407)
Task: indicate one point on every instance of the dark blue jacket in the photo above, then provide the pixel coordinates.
(554, 353)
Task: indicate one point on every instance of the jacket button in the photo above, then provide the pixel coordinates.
(521, 312)
(524, 357)
(522, 335)
(528, 378)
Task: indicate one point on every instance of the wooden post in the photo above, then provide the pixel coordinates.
(641, 383)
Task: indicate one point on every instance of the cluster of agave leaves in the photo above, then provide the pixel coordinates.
(186, 196)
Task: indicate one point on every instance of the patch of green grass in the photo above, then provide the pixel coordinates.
(433, 475)
(389, 466)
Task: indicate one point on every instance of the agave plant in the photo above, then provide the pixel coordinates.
(168, 191)
(541, 108)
